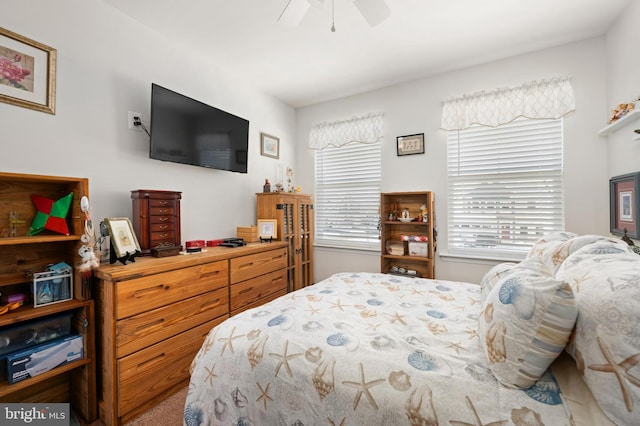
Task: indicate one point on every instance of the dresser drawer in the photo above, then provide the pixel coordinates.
(161, 237)
(142, 330)
(256, 289)
(161, 211)
(146, 293)
(260, 302)
(245, 267)
(155, 202)
(162, 227)
(161, 219)
(146, 374)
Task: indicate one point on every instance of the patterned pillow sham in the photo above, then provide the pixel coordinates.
(525, 323)
(551, 250)
(494, 275)
(605, 277)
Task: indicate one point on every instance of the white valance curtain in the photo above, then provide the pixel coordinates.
(365, 129)
(542, 99)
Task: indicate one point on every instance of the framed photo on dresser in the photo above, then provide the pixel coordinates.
(123, 239)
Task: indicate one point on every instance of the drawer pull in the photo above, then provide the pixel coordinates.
(209, 274)
(209, 305)
(246, 265)
(163, 227)
(150, 325)
(151, 361)
(150, 290)
(163, 203)
(163, 211)
(163, 219)
(246, 290)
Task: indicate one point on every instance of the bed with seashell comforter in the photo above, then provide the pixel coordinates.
(377, 349)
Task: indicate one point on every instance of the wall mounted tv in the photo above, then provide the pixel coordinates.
(184, 130)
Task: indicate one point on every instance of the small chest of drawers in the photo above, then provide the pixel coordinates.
(156, 218)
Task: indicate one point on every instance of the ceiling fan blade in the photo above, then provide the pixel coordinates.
(374, 11)
(293, 12)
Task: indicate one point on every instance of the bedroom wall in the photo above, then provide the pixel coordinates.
(416, 107)
(623, 85)
(106, 64)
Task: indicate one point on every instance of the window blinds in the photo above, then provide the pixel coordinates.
(505, 187)
(347, 195)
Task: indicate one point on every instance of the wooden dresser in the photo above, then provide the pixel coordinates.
(156, 218)
(154, 314)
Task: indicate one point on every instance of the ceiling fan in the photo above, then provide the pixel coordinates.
(373, 11)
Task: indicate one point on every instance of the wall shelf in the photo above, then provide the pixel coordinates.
(621, 122)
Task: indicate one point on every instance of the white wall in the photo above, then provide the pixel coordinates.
(416, 107)
(106, 64)
(623, 85)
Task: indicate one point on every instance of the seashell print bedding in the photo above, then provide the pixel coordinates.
(362, 349)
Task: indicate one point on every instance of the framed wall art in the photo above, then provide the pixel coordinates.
(27, 72)
(123, 238)
(267, 229)
(410, 144)
(624, 205)
(269, 146)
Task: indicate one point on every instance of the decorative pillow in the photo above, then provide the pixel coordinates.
(525, 324)
(51, 215)
(551, 250)
(494, 275)
(605, 277)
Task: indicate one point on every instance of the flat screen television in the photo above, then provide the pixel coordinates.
(187, 131)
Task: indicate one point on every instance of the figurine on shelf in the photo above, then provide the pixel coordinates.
(289, 179)
(424, 213)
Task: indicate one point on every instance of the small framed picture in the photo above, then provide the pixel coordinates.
(123, 239)
(410, 144)
(269, 146)
(624, 205)
(267, 229)
(28, 77)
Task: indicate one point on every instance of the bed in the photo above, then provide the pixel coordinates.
(370, 348)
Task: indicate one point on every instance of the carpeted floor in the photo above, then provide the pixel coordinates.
(167, 413)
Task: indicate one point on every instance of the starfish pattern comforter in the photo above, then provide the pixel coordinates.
(361, 349)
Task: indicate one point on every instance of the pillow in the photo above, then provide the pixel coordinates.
(552, 249)
(605, 277)
(493, 276)
(525, 324)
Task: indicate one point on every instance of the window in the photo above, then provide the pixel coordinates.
(504, 187)
(347, 195)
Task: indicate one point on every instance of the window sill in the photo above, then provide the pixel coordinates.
(480, 260)
(348, 247)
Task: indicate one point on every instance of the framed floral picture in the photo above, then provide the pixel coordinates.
(624, 205)
(123, 238)
(27, 72)
(269, 146)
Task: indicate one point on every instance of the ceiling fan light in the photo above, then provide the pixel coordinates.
(374, 11)
(293, 12)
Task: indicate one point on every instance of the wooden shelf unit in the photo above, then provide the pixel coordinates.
(393, 204)
(23, 254)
